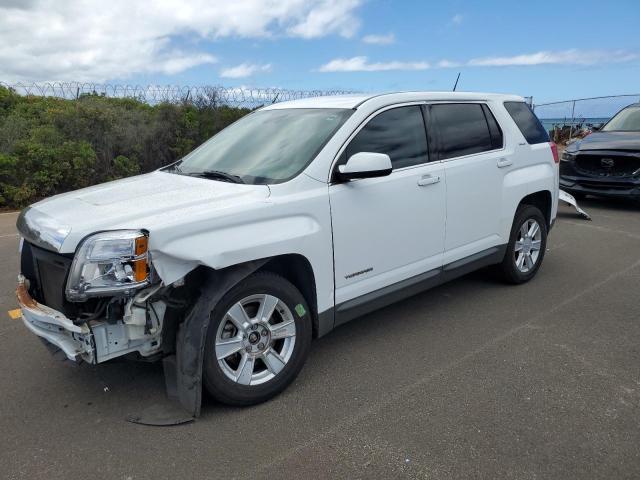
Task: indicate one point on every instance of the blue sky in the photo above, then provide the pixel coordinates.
(545, 49)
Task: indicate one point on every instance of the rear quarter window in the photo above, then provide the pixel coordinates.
(527, 122)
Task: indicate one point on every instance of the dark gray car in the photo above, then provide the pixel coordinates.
(606, 162)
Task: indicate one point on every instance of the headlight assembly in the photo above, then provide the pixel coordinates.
(108, 263)
(568, 156)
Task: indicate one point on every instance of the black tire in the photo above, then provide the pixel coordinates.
(508, 270)
(221, 387)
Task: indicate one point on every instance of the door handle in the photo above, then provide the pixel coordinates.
(505, 162)
(428, 180)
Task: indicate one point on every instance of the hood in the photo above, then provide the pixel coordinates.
(139, 202)
(610, 141)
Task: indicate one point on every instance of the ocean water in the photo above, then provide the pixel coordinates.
(549, 123)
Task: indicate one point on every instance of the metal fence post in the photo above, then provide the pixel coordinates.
(573, 111)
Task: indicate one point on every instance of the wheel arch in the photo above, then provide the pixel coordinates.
(297, 269)
(542, 200)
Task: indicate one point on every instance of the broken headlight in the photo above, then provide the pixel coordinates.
(108, 263)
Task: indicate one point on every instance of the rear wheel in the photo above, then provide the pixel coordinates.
(258, 340)
(527, 244)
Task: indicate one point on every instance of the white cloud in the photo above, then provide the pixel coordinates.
(564, 57)
(244, 70)
(361, 64)
(326, 16)
(448, 64)
(387, 39)
(176, 62)
(91, 41)
(456, 19)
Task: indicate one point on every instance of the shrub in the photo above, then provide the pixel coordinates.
(50, 145)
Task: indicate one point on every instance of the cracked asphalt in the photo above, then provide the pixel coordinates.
(473, 379)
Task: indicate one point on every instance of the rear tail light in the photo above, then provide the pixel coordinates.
(554, 150)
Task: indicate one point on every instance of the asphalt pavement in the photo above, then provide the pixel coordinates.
(474, 379)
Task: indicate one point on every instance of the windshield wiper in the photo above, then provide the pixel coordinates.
(218, 175)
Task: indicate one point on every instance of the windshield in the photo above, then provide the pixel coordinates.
(268, 146)
(627, 120)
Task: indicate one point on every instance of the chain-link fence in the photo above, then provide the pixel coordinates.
(153, 94)
(582, 112)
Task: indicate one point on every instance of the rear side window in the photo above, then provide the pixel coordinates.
(463, 129)
(527, 122)
(496, 133)
(398, 132)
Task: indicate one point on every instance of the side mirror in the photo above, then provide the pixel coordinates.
(597, 127)
(365, 165)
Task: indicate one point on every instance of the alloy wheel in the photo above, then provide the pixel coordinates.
(255, 339)
(527, 247)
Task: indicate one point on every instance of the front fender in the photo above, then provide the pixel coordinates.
(233, 244)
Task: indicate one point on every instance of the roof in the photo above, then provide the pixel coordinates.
(353, 101)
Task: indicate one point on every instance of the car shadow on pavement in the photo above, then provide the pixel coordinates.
(130, 383)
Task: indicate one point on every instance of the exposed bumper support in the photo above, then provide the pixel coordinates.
(96, 341)
(76, 341)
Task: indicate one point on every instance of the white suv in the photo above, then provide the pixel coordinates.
(295, 219)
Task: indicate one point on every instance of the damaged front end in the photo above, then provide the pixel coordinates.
(96, 340)
(106, 300)
(75, 341)
(100, 303)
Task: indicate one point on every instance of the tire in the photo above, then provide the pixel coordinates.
(510, 269)
(274, 362)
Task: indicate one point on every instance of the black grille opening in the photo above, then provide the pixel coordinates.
(604, 165)
(47, 273)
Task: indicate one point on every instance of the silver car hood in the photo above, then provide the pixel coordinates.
(157, 200)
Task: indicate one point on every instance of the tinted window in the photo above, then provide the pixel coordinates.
(462, 129)
(496, 133)
(398, 132)
(527, 122)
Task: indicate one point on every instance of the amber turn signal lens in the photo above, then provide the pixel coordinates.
(141, 245)
(140, 268)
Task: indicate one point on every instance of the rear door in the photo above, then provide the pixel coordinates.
(469, 143)
(391, 228)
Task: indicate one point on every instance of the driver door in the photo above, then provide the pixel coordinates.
(388, 229)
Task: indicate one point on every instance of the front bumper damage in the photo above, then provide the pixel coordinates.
(97, 341)
(94, 341)
(76, 341)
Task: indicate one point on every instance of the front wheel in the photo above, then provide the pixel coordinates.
(258, 340)
(527, 244)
